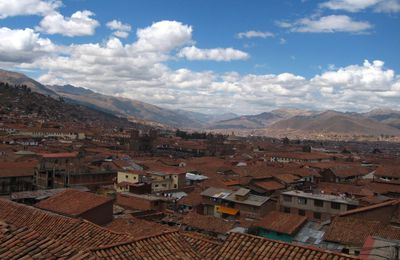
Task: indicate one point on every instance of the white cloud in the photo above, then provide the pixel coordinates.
(386, 6)
(119, 26)
(254, 34)
(217, 54)
(22, 45)
(27, 7)
(329, 24)
(121, 30)
(139, 70)
(80, 23)
(163, 36)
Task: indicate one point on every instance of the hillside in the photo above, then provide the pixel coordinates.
(334, 122)
(21, 102)
(14, 78)
(259, 121)
(387, 116)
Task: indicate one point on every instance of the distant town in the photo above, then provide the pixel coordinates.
(80, 183)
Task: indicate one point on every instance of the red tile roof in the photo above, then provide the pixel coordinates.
(202, 244)
(77, 233)
(136, 227)
(163, 246)
(243, 246)
(282, 222)
(354, 231)
(269, 185)
(207, 223)
(17, 169)
(72, 202)
(20, 243)
(59, 155)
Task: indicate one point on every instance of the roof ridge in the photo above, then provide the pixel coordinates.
(200, 238)
(290, 244)
(366, 208)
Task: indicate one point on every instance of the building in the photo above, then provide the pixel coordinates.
(78, 204)
(340, 172)
(63, 170)
(225, 203)
(142, 202)
(297, 157)
(280, 225)
(315, 206)
(16, 176)
(351, 229)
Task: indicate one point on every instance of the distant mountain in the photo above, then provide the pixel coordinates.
(258, 121)
(55, 111)
(125, 107)
(388, 116)
(15, 78)
(334, 122)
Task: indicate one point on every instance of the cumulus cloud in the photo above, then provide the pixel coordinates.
(387, 6)
(121, 30)
(80, 23)
(139, 70)
(27, 7)
(163, 36)
(254, 34)
(327, 24)
(22, 45)
(217, 54)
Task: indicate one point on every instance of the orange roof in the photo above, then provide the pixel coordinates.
(227, 210)
(282, 222)
(16, 169)
(72, 202)
(269, 185)
(59, 155)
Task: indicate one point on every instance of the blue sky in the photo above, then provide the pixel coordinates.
(212, 56)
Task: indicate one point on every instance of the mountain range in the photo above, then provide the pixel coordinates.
(375, 122)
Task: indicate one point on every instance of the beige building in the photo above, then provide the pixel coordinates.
(315, 206)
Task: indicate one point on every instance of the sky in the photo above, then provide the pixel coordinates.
(212, 56)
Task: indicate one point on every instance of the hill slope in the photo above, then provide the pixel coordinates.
(259, 121)
(14, 78)
(335, 122)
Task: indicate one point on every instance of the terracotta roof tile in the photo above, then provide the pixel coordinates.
(207, 223)
(72, 202)
(79, 234)
(282, 222)
(136, 227)
(243, 246)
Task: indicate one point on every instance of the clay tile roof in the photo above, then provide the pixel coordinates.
(19, 243)
(79, 234)
(136, 227)
(17, 169)
(269, 185)
(287, 178)
(282, 222)
(163, 246)
(202, 244)
(72, 202)
(59, 155)
(388, 170)
(354, 231)
(243, 246)
(207, 223)
(372, 207)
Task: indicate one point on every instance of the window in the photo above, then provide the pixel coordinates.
(302, 212)
(302, 201)
(164, 185)
(126, 176)
(134, 177)
(317, 215)
(335, 205)
(287, 198)
(286, 210)
(175, 186)
(350, 207)
(318, 203)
